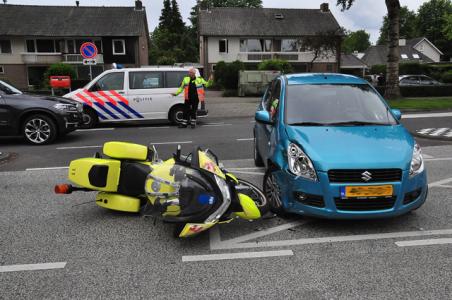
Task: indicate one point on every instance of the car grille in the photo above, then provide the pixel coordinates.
(357, 204)
(375, 175)
(309, 199)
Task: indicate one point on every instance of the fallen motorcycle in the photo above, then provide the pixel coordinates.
(192, 191)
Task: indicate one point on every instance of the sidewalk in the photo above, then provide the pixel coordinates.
(228, 107)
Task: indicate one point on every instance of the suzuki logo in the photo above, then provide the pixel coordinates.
(366, 176)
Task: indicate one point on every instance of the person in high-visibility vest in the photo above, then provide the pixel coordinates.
(193, 88)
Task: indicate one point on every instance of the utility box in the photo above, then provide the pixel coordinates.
(255, 82)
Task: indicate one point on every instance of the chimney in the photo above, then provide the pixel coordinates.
(138, 5)
(324, 7)
(77, 3)
(402, 42)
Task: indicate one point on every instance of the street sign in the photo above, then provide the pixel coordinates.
(88, 50)
(89, 62)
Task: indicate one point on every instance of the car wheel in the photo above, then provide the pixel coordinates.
(39, 130)
(177, 114)
(273, 193)
(258, 162)
(90, 118)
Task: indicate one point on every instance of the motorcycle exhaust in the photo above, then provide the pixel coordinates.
(66, 189)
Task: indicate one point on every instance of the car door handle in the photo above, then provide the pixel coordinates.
(121, 92)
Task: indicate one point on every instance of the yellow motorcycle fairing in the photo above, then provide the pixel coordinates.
(250, 209)
(129, 151)
(192, 229)
(206, 163)
(95, 173)
(118, 202)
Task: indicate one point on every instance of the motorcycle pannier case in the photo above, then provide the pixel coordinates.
(95, 173)
(129, 151)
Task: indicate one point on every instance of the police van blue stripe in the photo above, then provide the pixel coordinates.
(118, 110)
(131, 110)
(106, 110)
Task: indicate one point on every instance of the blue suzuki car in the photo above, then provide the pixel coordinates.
(333, 148)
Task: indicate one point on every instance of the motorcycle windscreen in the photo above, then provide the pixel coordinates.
(209, 164)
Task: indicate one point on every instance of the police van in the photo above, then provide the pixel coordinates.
(133, 94)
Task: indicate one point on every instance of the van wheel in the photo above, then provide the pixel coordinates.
(90, 118)
(176, 114)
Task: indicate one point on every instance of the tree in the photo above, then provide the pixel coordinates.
(358, 40)
(323, 44)
(392, 90)
(408, 26)
(432, 23)
(165, 20)
(447, 29)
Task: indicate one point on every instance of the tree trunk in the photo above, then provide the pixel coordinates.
(392, 67)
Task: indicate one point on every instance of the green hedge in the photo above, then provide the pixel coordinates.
(422, 91)
(59, 69)
(275, 65)
(227, 74)
(447, 77)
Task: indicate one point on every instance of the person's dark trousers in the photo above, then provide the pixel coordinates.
(190, 109)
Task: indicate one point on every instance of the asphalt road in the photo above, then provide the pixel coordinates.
(89, 252)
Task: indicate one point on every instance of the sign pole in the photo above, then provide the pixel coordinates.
(90, 73)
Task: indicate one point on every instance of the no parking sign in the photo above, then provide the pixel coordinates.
(88, 50)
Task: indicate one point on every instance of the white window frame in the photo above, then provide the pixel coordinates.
(123, 41)
(226, 46)
(10, 45)
(2, 69)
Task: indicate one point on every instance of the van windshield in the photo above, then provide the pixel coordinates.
(335, 105)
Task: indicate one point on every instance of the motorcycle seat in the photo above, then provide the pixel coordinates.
(133, 178)
(126, 151)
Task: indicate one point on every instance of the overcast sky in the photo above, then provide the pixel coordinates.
(365, 14)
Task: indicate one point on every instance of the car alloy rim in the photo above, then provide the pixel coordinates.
(86, 119)
(179, 116)
(272, 191)
(37, 130)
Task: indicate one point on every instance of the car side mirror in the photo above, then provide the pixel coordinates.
(263, 116)
(397, 114)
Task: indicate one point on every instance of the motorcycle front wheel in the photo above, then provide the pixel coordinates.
(252, 191)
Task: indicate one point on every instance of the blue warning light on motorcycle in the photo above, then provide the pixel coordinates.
(206, 199)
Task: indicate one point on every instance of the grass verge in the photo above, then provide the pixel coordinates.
(429, 103)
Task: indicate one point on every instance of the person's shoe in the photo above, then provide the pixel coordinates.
(182, 125)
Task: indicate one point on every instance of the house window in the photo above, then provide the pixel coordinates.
(289, 45)
(45, 46)
(119, 47)
(404, 56)
(5, 46)
(416, 56)
(31, 46)
(255, 45)
(223, 46)
(2, 70)
(71, 47)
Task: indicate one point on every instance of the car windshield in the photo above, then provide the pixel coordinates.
(9, 89)
(335, 105)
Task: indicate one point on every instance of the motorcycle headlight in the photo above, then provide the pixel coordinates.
(300, 164)
(417, 161)
(66, 107)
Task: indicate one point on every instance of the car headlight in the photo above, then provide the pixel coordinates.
(299, 163)
(417, 161)
(66, 107)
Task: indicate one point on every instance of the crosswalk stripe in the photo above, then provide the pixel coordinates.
(426, 130)
(439, 131)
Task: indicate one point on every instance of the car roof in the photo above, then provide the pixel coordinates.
(323, 78)
(150, 69)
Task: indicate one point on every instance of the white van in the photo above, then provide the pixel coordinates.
(131, 94)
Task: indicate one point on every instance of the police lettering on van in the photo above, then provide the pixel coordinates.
(133, 94)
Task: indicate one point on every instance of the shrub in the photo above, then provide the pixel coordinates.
(378, 69)
(227, 74)
(413, 69)
(275, 65)
(58, 69)
(166, 61)
(447, 77)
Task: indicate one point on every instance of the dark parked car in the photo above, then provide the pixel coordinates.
(405, 80)
(39, 119)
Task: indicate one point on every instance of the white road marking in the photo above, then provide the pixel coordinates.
(162, 127)
(42, 169)
(445, 186)
(439, 131)
(32, 267)
(249, 173)
(440, 182)
(432, 115)
(426, 156)
(96, 129)
(89, 147)
(449, 134)
(250, 168)
(333, 239)
(243, 140)
(424, 242)
(215, 125)
(218, 244)
(426, 130)
(439, 159)
(78, 147)
(240, 255)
